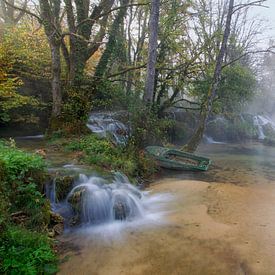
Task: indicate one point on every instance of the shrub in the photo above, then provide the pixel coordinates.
(147, 127)
(103, 154)
(24, 212)
(23, 181)
(25, 252)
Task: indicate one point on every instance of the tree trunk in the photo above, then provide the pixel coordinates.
(152, 52)
(197, 137)
(56, 78)
(112, 45)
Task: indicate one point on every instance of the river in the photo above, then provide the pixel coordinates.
(218, 222)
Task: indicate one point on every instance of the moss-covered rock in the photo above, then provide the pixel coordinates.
(269, 141)
(63, 186)
(233, 130)
(269, 131)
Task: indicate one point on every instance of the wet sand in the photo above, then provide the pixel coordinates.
(211, 228)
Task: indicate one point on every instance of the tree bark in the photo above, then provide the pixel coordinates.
(56, 79)
(50, 14)
(152, 53)
(80, 27)
(112, 45)
(197, 137)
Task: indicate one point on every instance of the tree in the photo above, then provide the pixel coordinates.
(196, 138)
(87, 28)
(152, 52)
(114, 44)
(10, 99)
(50, 17)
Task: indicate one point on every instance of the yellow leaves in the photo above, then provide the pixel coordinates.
(9, 98)
(27, 49)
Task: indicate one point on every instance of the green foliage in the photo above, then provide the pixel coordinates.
(236, 88)
(147, 127)
(78, 103)
(23, 181)
(103, 154)
(25, 252)
(27, 48)
(235, 129)
(22, 249)
(115, 46)
(107, 94)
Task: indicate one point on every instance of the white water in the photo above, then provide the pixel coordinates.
(31, 137)
(104, 124)
(109, 206)
(259, 122)
(210, 140)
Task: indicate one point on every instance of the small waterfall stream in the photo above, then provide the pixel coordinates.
(260, 121)
(95, 200)
(105, 124)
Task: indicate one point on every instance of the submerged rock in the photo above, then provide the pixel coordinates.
(120, 212)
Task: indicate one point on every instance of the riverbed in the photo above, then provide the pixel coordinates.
(218, 222)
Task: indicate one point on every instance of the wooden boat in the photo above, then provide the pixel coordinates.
(177, 160)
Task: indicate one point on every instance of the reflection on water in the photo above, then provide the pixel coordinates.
(250, 163)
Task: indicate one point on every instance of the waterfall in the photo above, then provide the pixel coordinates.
(259, 126)
(99, 201)
(104, 124)
(260, 121)
(51, 193)
(94, 201)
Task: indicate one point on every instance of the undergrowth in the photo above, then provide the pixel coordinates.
(104, 154)
(24, 214)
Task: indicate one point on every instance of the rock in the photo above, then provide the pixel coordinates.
(120, 211)
(19, 217)
(56, 218)
(75, 201)
(63, 186)
(41, 152)
(51, 233)
(75, 220)
(56, 224)
(75, 198)
(58, 228)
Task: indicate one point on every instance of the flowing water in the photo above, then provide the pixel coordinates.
(259, 122)
(108, 125)
(218, 222)
(97, 202)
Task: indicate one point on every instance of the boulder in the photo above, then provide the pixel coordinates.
(63, 186)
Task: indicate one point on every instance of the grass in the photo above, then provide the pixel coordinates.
(103, 154)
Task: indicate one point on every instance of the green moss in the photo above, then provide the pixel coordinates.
(63, 186)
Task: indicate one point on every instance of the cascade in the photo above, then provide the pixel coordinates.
(104, 124)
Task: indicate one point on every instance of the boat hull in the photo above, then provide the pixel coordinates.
(178, 160)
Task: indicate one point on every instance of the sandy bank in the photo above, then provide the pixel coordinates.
(211, 228)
